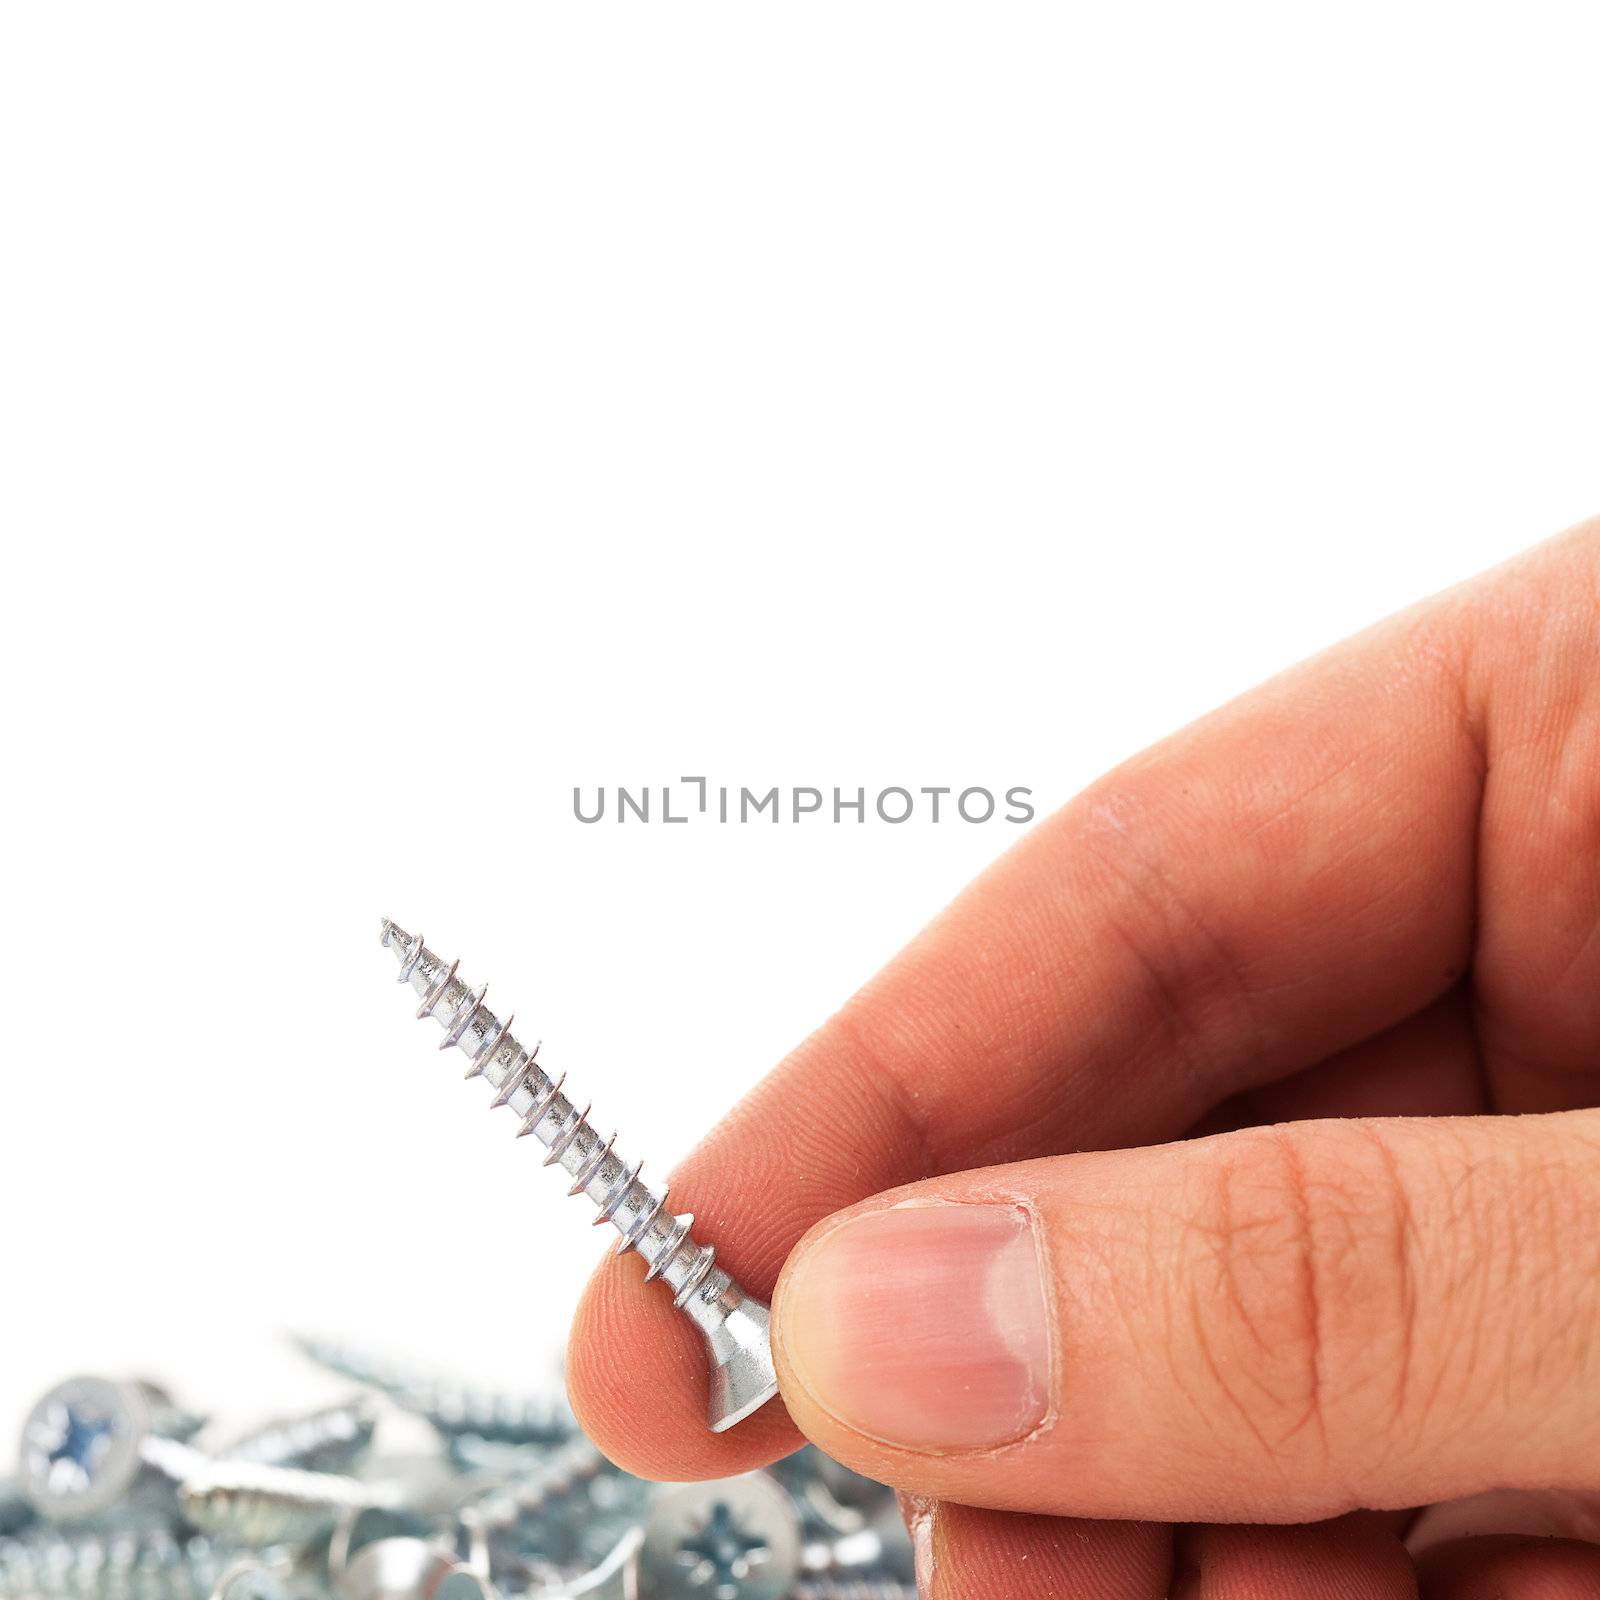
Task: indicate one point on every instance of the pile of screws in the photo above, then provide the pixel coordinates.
(121, 1494)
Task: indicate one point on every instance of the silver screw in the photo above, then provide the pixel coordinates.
(535, 1524)
(880, 1550)
(455, 1409)
(331, 1439)
(410, 1569)
(527, 1498)
(262, 1506)
(729, 1539)
(615, 1578)
(734, 1325)
(86, 1444)
(355, 1530)
(89, 1445)
(489, 1459)
(107, 1566)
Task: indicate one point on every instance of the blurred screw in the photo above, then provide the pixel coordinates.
(846, 1487)
(85, 1444)
(355, 1530)
(331, 1439)
(546, 1485)
(734, 1325)
(478, 1457)
(731, 1539)
(824, 1514)
(410, 1569)
(851, 1522)
(616, 1577)
(260, 1506)
(453, 1408)
(517, 1532)
(107, 1567)
(882, 1549)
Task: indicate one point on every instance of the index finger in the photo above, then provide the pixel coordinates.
(1286, 877)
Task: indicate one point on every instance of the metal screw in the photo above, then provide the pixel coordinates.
(731, 1539)
(527, 1499)
(489, 1459)
(615, 1578)
(330, 1439)
(734, 1325)
(550, 1520)
(107, 1566)
(410, 1569)
(86, 1444)
(854, 1532)
(455, 1409)
(882, 1549)
(824, 1514)
(261, 1506)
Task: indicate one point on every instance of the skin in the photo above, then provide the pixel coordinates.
(1237, 1033)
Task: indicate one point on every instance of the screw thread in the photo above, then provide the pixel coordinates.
(531, 1496)
(330, 1439)
(256, 1505)
(153, 1566)
(453, 1408)
(636, 1209)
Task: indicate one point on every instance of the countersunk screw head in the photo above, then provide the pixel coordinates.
(356, 1529)
(410, 1569)
(80, 1451)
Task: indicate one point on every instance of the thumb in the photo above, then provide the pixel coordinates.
(1273, 1325)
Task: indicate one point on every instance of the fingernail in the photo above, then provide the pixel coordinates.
(923, 1327)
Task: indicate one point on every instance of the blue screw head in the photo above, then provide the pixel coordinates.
(80, 1448)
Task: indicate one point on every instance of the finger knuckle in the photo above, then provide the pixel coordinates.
(1299, 1282)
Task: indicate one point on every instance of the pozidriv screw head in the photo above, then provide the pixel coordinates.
(80, 1448)
(731, 1539)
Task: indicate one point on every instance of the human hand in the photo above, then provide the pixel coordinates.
(1275, 984)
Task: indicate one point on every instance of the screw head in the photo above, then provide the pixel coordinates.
(80, 1447)
(738, 1335)
(410, 1569)
(732, 1539)
(362, 1526)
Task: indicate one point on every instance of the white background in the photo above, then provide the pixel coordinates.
(409, 413)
